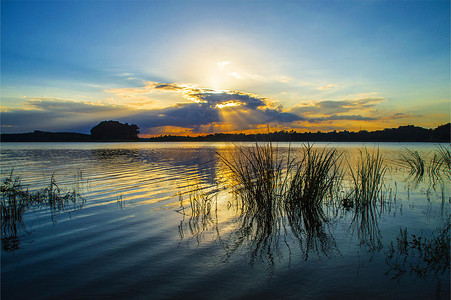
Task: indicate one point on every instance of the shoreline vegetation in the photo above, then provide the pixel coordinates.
(115, 133)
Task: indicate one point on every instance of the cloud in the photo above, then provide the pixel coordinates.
(166, 86)
(236, 75)
(329, 107)
(198, 110)
(190, 109)
(342, 117)
(327, 87)
(55, 114)
(222, 64)
(66, 107)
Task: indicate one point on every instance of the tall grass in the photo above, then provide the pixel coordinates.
(273, 188)
(258, 177)
(444, 152)
(14, 202)
(315, 177)
(368, 177)
(367, 193)
(264, 179)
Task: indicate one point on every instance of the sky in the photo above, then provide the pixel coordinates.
(198, 67)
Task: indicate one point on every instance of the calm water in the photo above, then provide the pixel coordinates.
(132, 238)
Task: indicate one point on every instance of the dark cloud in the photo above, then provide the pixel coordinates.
(214, 98)
(166, 86)
(182, 115)
(194, 115)
(210, 96)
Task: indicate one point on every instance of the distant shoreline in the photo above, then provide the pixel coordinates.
(409, 133)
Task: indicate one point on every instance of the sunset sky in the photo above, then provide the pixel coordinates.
(194, 67)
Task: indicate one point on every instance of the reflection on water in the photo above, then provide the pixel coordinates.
(162, 221)
(423, 255)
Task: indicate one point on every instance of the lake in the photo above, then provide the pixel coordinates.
(164, 221)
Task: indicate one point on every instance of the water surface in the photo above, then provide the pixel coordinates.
(132, 238)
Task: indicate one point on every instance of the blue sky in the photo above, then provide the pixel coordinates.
(67, 65)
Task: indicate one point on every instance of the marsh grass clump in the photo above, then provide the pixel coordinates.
(435, 168)
(368, 197)
(258, 177)
(415, 162)
(16, 200)
(315, 177)
(444, 152)
(368, 178)
(277, 190)
(58, 200)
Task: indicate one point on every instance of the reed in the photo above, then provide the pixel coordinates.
(277, 190)
(415, 162)
(258, 177)
(444, 152)
(315, 177)
(366, 195)
(16, 200)
(435, 168)
(201, 211)
(368, 178)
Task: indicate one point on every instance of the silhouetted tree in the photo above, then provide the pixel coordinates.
(114, 130)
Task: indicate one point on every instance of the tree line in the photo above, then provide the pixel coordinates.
(110, 131)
